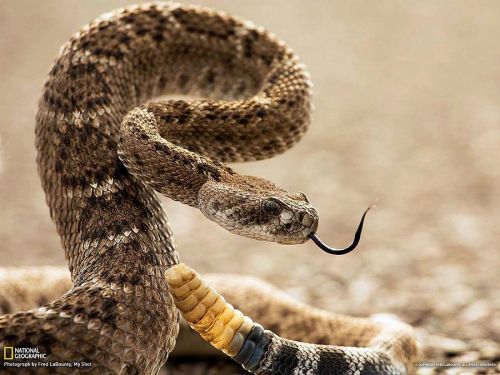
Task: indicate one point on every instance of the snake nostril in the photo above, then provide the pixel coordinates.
(307, 220)
(300, 216)
(314, 226)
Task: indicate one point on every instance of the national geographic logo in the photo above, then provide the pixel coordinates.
(11, 353)
(8, 353)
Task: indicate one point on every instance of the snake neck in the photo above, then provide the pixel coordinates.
(167, 167)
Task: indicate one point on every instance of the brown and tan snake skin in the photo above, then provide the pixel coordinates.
(102, 151)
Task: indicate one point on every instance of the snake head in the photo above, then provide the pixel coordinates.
(260, 210)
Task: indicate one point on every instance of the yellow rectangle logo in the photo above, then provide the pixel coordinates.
(8, 353)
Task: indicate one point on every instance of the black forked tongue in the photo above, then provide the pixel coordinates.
(351, 247)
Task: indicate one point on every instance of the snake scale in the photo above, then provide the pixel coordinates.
(104, 147)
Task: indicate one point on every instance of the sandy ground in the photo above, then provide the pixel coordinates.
(406, 111)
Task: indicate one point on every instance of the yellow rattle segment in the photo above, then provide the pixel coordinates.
(206, 311)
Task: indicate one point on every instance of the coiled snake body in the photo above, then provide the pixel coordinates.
(102, 151)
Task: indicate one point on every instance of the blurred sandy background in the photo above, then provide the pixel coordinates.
(407, 110)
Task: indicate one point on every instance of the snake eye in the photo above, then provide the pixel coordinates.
(272, 207)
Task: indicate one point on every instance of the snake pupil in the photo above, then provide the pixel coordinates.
(272, 207)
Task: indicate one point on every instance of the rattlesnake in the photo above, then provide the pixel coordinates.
(100, 159)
